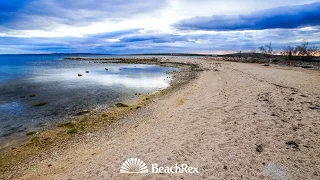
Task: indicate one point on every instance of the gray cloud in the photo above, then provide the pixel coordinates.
(281, 17)
(132, 41)
(45, 14)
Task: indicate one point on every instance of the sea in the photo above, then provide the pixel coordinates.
(37, 91)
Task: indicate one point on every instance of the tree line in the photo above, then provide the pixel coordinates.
(303, 49)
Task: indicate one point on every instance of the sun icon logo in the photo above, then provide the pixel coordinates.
(133, 165)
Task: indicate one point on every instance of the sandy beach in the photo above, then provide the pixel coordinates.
(234, 121)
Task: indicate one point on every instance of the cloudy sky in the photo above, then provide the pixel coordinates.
(145, 26)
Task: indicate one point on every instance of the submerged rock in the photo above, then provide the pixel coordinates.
(40, 104)
(87, 71)
(106, 69)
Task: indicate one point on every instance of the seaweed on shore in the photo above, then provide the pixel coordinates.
(72, 131)
(31, 133)
(122, 105)
(67, 124)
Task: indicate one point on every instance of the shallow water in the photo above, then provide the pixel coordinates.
(28, 80)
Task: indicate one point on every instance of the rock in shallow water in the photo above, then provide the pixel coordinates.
(40, 104)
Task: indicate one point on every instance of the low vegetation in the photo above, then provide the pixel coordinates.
(302, 55)
(304, 49)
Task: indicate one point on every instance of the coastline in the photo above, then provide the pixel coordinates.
(70, 130)
(232, 120)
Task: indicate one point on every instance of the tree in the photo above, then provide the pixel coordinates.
(288, 51)
(304, 49)
(266, 49)
(313, 51)
(269, 48)
(262, 50)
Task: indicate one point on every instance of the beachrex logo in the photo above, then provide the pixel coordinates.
(135, 165)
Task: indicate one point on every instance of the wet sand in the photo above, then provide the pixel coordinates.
(234, 121)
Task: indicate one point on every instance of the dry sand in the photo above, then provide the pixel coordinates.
(235, 121)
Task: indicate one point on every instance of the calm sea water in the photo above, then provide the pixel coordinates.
(26, 80)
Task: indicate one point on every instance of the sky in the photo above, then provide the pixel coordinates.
(162, 26)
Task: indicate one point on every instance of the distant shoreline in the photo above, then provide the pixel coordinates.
(125, 55)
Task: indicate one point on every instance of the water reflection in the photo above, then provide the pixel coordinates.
(13, 108)
(128, 76)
